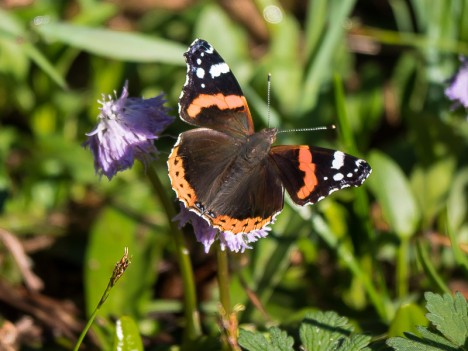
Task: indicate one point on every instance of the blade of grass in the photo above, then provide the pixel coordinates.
(414, 40)
(402, 15)
(321, 65)
(379, 301)
(315, 24)
(344, 128)
(429, 268)
(12, 29)
(127, 46)
(458, 254)
(39, 59)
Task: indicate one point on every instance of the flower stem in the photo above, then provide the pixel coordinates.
(192, 317)
(228, 314)
(402, 268)
(90, 321)
(223, 279)
(119, 270)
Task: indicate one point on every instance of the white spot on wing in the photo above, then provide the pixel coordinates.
(202, 85)
(200, 73)
(338, 160)
(218, 69)
(198, 61)
(337, 177)
(349, 175)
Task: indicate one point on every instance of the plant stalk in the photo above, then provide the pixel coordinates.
(192, 316)
(228, 314)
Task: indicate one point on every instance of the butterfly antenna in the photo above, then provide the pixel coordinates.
(268, 99)
(332, 126)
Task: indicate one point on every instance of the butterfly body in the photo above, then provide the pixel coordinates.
(233, 176)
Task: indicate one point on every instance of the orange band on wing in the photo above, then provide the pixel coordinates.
(308, 167)
(223, 102)
(236, 226)
(184, 190)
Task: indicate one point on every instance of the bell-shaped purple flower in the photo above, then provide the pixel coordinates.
(126, 131)
(457, 91)
(206, 234)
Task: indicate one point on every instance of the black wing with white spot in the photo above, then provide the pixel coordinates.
(310, 173)
(211, 96)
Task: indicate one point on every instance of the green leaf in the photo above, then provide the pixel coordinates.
(356, 343)
(253, 341)
(433, 337)
(391, 188)
(127, 337)
(431, 185)
(321, 331)
(418, 344)
(280, 340)
(449, 315)
(117, 45)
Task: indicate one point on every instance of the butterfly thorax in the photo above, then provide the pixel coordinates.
(258, 145)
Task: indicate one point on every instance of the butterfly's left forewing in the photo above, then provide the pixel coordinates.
(309, 173)
(211, 96)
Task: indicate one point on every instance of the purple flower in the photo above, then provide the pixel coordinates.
(206, 234)
(126, 130)
(458, 89)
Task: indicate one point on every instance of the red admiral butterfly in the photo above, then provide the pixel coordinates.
(232, 176)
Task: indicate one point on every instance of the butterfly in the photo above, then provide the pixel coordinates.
(231, 175)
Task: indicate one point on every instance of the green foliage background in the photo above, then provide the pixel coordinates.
(376, 69)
